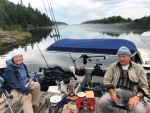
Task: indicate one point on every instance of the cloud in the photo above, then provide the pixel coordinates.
(77, 11)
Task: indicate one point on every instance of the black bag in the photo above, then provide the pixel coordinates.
(79, 71)
(97, 71)
(53, 74)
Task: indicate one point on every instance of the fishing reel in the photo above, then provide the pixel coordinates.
(97, 66)
(85, 58)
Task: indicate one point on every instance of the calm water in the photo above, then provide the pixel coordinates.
(34, 59)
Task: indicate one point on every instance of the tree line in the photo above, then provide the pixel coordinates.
(18, 17)
(143, 22)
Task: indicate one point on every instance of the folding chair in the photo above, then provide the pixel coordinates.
(7, 97)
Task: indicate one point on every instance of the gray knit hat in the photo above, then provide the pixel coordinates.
(123, 51)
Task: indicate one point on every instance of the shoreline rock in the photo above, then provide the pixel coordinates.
(8, 38)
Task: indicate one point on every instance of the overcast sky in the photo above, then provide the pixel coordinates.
(78, 11)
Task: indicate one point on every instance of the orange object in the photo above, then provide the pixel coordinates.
(89, 94)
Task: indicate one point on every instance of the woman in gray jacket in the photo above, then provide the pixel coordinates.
(128, 77)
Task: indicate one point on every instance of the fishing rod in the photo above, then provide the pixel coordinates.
(52, 34)
(44, 60)
(42, 55)
(53, 18)
(73, 60)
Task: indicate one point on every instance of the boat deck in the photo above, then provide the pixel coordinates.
(43, 108)
(16, 105)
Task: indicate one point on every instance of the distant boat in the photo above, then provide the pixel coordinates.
(145, 37)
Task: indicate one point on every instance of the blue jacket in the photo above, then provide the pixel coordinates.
(16, 77)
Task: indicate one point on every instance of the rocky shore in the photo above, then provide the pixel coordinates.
(12, 37)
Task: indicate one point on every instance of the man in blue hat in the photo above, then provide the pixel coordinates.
(128, 77)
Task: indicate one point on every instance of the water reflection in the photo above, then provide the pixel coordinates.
(34, 59)
(37, 36)
(112, 30)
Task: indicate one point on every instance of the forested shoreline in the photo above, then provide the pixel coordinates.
(143, 22)
(18, 17)
(16, 20)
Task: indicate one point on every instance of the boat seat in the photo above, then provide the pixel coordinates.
(97, 76)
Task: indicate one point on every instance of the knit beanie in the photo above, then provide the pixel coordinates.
(14, 53)
(123, 51)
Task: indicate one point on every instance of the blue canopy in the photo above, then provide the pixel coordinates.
(95, 46)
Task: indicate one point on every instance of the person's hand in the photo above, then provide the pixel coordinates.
(29, 97)
(113, 95)
(30, 80)
(114, 98)
(133, 101)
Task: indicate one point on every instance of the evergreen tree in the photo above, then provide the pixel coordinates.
(18, 15)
